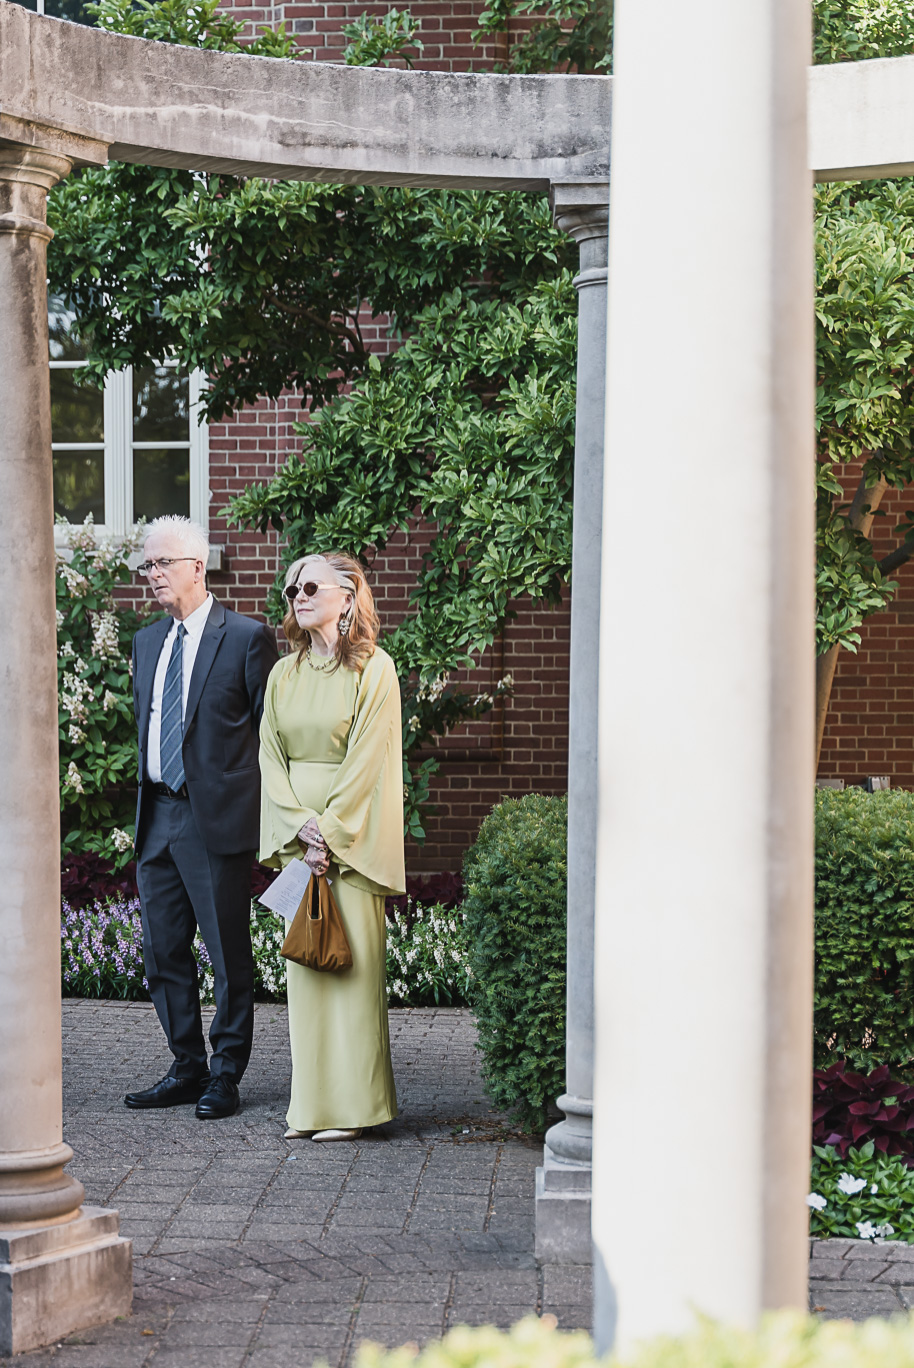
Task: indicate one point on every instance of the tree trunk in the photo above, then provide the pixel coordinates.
(862, 511)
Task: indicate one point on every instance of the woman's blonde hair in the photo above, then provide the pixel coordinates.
(357, 645)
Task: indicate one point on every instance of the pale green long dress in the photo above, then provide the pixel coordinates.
(331, 749)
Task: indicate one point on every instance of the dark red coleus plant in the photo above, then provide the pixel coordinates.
(851, 1109)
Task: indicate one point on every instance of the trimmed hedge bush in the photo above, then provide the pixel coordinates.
(515, 877)
(864, 1008)
(784, 1339)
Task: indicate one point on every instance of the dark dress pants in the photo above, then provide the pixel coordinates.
(182, 886)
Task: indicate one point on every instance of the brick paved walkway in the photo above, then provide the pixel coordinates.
(855, 1278)
(256, 1252)
(253, 1250)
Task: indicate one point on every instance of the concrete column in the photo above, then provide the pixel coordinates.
(62, 1265)
(564, 1181)
(704, 840)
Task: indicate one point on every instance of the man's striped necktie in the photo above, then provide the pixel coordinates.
(172, 734)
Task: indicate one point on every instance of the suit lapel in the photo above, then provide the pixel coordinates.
(149, 648)
(212, 638)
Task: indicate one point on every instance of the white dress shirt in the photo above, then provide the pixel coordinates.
(194, 625)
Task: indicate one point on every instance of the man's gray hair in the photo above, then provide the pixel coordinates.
(189, 533)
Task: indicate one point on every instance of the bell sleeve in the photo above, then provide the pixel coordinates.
(281, 814)
(362, 821)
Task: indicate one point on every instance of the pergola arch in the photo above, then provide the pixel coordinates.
(71, 96)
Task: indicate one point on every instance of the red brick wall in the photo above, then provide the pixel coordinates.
(446, 28)
(870, 728)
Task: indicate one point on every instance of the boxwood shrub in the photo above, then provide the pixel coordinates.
(783, 1339)
(864, 1007)
(515, 880)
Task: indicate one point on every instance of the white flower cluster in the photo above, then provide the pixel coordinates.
(81, 538)
(267, 939)
(75, 693)
(105, 642)
(109, 701)
(74, 779)
(77, 584)
(121, 840)
(426, 955)
(867, 1231)
(75, 734)
(432, 691)
(850, 1186)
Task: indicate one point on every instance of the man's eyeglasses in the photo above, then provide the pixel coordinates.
(309, 589)
(163, 563)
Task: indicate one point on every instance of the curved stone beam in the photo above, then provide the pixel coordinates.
(255, 116)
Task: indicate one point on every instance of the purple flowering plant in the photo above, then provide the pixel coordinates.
(101, 952)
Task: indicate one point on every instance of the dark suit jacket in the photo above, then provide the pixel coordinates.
(221, 724)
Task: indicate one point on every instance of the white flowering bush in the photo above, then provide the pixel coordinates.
(863, 1195)
(97, 730)
(426, 957)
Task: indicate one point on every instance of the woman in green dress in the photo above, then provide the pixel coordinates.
(331, 760)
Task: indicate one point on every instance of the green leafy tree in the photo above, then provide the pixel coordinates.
(467, 428)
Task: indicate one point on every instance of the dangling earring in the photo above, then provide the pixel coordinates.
(344, 624)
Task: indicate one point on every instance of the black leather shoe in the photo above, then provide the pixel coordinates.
(169, 1092)
(220, 1099)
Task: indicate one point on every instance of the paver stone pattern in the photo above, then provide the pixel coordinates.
(257, 1252)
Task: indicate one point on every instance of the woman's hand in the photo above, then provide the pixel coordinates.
(316, 858)
(310, 834)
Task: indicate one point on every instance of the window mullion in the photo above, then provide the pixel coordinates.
(199, 452)
(119, 450)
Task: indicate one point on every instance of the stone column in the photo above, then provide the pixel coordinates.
(62, 1265)
(704, 842)
(563, 1182)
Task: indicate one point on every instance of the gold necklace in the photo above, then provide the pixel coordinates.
(318, 669)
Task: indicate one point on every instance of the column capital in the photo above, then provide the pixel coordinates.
(32, 165)
(26, 176)
(581, 208)
(19, 135)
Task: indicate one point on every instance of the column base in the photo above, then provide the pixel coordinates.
(563, 1211)
(61, 1278)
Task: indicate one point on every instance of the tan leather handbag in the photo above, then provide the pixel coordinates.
(316, 938)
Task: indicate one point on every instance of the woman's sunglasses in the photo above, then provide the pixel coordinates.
(309, 589)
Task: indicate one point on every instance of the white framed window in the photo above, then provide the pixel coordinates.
(133, 450)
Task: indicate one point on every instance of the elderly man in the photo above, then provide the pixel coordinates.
(198, 686)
